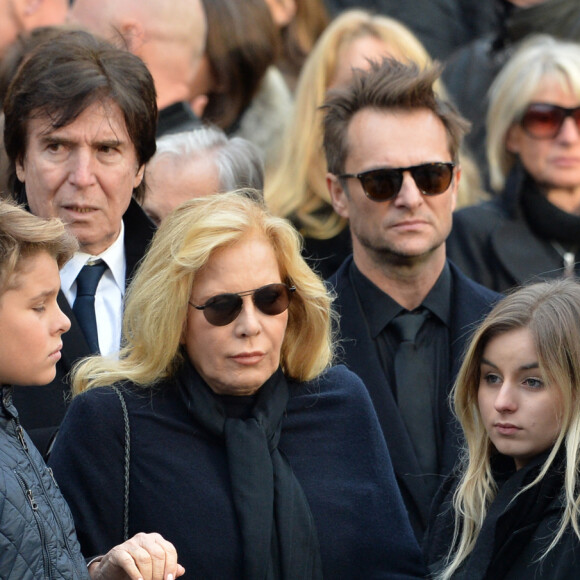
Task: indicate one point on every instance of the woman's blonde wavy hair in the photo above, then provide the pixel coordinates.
(296, 188)
(157, 299)
(538, 58)
(551, 311)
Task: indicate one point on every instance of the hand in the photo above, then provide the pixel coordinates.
(143, 557)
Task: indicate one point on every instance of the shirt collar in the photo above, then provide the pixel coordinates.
(113, 256)
(379, 308)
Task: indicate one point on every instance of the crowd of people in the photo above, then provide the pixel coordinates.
(288, 290)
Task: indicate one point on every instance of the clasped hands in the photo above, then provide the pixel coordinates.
(142, 557)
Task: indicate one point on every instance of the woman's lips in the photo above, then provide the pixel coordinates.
(248, 358)
(507, 428)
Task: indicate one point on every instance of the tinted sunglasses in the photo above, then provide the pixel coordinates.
(222, 309)
(385, 184)
(544, 121)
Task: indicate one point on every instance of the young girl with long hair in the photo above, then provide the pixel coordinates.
(511, 509)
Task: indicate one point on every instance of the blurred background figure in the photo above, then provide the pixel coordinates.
(170, 39)
(198, 163)
(300, 22)
(532, 228)
(470, 71)
(20, 16)
(238, 88)
(296, 188)
(441, 25)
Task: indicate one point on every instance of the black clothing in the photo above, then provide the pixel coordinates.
(37, 535)
(42, 408)
(441, 25)
(469, 303)
(180, 480)
(515, 532)
(279, 543)
(380, 309)
(177, 118)
(325, 256)
(515, 238)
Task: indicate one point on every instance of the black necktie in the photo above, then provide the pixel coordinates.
(414, 394)
(84, 306)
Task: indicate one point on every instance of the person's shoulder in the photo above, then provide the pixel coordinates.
(473, 286)
(340, 278)
(104, 399)
(483, 214)
(336, 386)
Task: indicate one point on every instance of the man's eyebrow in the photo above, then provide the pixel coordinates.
(49, 138)
(108, 143)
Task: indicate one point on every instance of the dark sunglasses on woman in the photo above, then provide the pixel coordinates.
(544, 121)
(384, 184)
(223, 309)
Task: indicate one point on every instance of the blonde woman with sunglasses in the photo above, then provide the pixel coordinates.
(531, 230)
(246, 451)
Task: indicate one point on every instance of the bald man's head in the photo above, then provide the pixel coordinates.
(168, 36)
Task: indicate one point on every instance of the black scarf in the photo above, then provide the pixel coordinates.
(509, 525)
(546, 220)
(279, 537)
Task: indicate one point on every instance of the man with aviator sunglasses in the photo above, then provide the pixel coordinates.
(392, 147)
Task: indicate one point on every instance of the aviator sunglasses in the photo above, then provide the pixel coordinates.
(385, 184)
(544, 121)
(222, 309)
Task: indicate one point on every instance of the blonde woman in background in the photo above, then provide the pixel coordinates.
(296, 188)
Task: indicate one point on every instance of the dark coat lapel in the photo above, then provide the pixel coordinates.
(516, 248)
(139, 230)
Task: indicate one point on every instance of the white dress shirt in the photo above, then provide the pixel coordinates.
(110, 291)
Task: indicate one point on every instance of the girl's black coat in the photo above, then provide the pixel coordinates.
(515, 533)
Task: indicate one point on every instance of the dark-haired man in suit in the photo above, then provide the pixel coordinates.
(80, 122)
(405, 310)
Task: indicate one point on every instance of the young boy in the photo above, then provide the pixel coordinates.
(37, 537)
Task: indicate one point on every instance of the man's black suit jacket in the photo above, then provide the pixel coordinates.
(470, 302)
(41, 409)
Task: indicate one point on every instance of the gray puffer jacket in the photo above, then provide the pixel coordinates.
(37, 536)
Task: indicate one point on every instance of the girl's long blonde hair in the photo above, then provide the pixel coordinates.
(551, 311)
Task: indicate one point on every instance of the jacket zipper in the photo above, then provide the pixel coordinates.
(32, 502)
(20, 433)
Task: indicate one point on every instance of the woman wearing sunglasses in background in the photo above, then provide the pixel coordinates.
(246, 452)
(511, 510)
(532, 229)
